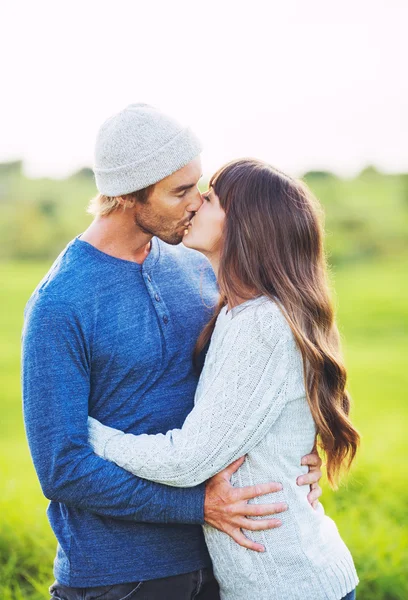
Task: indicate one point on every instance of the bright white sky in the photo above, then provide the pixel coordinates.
(301, 83)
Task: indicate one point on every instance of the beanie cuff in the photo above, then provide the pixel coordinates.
(161, 163)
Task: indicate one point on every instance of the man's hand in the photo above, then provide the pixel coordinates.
(226, 507)
(312, 478)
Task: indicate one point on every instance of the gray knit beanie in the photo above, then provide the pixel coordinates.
(140, 146)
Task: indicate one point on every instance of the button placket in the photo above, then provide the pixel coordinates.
(158, 303)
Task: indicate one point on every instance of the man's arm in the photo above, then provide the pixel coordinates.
(56, 385)
(55, 370)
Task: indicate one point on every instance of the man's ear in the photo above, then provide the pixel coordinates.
(126, 201)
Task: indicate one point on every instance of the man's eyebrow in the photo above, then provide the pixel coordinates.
(181, 188)
(186, 186)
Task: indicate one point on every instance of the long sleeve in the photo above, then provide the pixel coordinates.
(56, 359)
(242, 391)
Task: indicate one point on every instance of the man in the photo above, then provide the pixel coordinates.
(110, 331)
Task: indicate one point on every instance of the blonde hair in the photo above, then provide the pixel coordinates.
(101, 205)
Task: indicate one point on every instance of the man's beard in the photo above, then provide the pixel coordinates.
(156, 226)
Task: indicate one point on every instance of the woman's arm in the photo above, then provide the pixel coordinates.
(233, 411)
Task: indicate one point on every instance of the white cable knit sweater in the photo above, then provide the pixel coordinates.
(250, 400)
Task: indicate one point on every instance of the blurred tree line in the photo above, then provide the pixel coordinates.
(366, 216)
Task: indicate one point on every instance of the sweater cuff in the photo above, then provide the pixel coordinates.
(99, 435)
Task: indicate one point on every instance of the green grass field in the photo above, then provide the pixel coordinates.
(370, 508)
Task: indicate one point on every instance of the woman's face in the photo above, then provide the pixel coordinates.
(205, 230)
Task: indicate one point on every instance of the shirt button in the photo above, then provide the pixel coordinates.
(149, 278)
(165, 319)
(157, 297)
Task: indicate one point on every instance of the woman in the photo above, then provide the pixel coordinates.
(273, 379)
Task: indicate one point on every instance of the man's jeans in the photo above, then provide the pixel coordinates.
(199, 585)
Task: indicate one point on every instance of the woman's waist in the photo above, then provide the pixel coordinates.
(263, 466)
(285, 569)
(298, 545)
(301, 518)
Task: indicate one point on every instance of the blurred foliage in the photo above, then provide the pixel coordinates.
(39, 216)
(369, 509)
(365, 217)
(366, 229)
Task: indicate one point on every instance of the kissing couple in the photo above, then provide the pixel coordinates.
(181, 364)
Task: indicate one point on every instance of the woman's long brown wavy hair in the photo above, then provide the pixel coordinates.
(273, 245)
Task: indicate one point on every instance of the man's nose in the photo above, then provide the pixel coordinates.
(196, 203)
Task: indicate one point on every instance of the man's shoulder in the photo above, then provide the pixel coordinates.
(188, 274)
(65, 280)
(185, 257)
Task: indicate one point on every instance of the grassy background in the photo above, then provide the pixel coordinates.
(367, 223)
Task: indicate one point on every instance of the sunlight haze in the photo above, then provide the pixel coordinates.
(304, 85)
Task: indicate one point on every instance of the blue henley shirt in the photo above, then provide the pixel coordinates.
(114, 339)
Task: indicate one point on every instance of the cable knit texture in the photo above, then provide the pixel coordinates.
(250, 400)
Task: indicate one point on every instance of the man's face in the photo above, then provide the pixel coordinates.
(171, 205)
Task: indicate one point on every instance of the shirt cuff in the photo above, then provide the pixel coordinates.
(178, 505)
